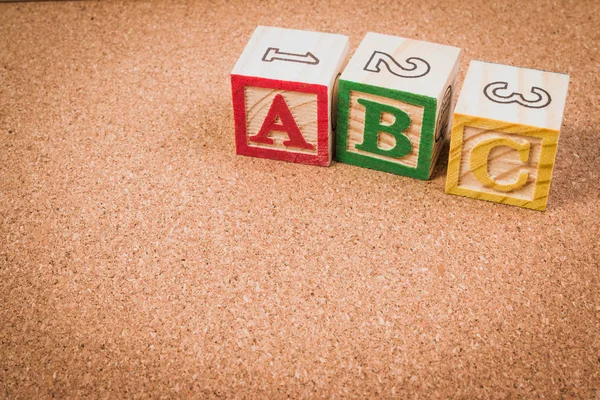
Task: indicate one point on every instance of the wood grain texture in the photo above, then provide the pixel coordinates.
(141, 258)
(433, 63)
(519, 84)
(293, 55)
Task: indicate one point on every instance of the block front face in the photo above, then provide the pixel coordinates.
(282, 88)
(384, 129)
(282, 120)
(502, 162)
(396, 97)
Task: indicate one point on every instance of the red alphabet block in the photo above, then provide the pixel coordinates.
(283, 92)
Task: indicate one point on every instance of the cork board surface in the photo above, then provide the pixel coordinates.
(141, 258)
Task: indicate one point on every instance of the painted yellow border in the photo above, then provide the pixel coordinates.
(544, 176)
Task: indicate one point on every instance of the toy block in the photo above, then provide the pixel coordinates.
(505, 134)
(395, 104)
(283, 91)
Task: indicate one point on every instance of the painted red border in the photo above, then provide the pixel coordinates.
(323, 156)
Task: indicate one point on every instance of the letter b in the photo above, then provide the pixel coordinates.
(373, 126)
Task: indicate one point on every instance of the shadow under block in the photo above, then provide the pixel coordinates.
(505, 134)
(395, 104)
(283, 92)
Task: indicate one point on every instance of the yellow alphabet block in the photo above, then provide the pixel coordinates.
(505, 133)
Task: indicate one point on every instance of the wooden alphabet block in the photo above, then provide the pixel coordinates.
(505, 133)
(395, 104)
(282, 88)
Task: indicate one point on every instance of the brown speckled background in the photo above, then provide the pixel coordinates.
(141, 258)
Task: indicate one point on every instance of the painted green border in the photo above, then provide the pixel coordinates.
(422, 170)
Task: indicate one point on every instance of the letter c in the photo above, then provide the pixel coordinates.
(479, 162)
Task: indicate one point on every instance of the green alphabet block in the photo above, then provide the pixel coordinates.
(394, 108)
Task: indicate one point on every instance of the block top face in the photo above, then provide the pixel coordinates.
(293, 55)
(402, 64)
(515, 95)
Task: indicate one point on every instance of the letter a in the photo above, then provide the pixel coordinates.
(373, 126)
(279, 108)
